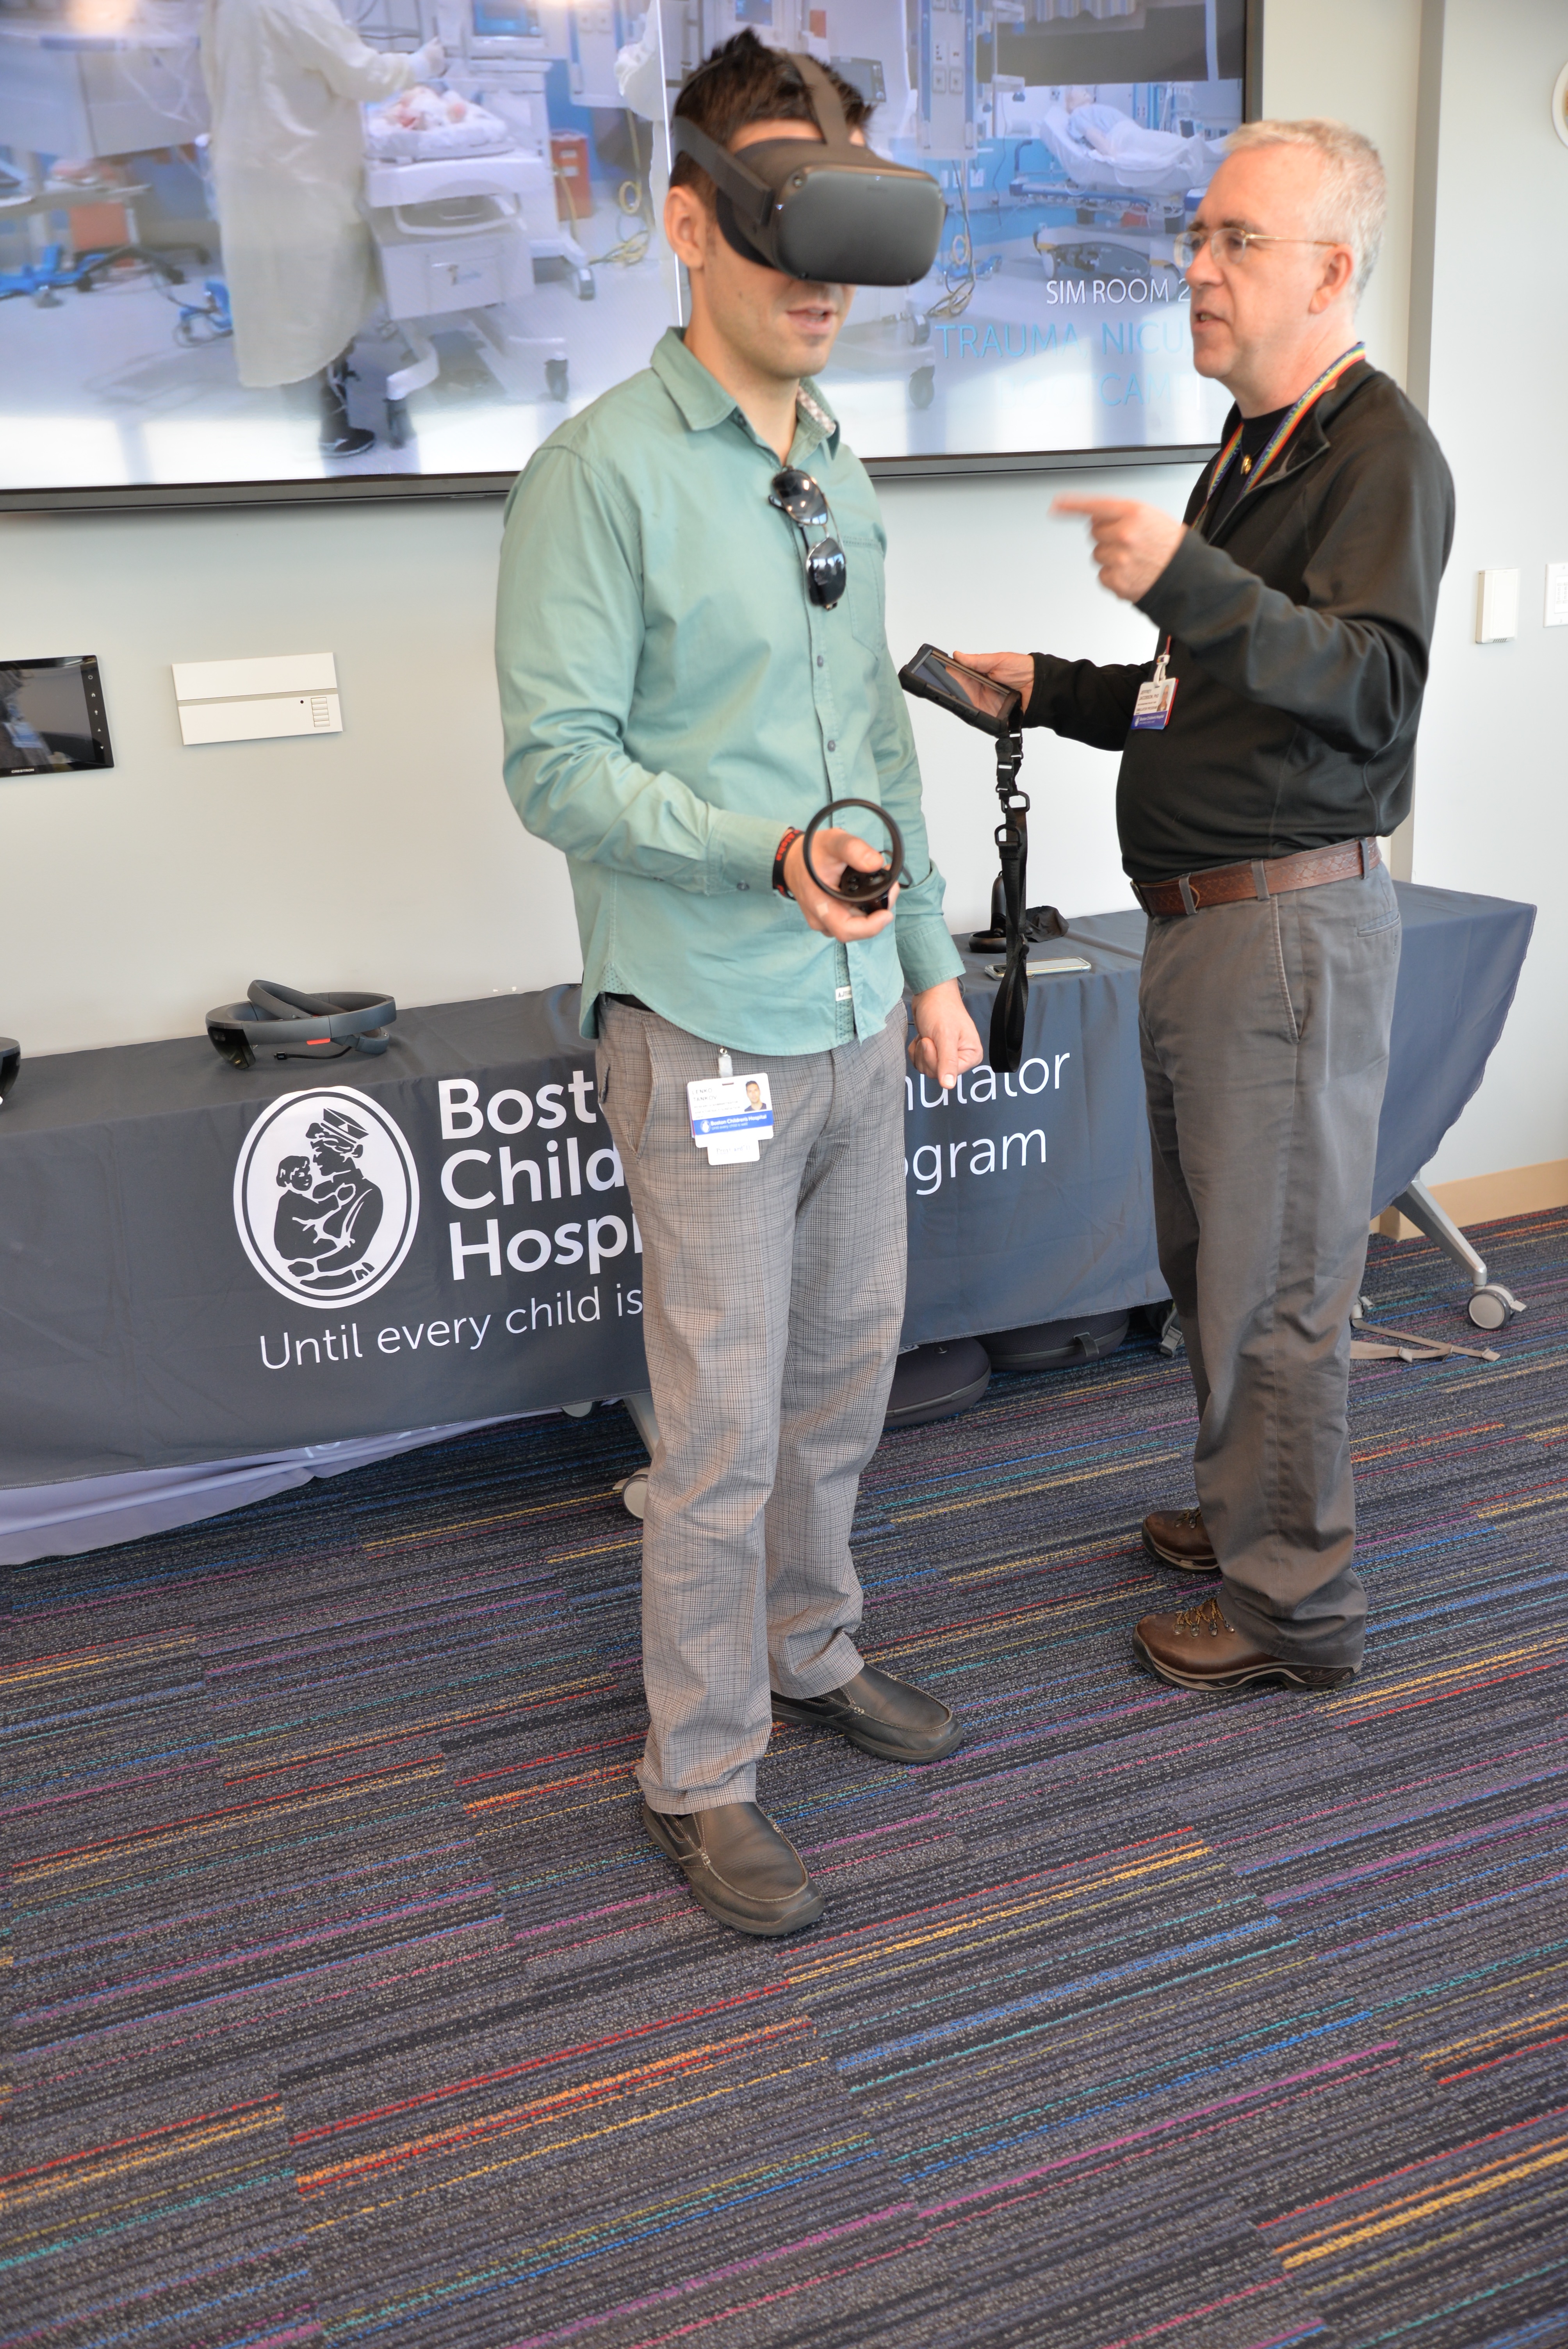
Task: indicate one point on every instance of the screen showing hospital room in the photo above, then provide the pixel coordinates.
(411, 236)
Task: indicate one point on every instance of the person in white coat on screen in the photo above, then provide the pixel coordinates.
(285, 79)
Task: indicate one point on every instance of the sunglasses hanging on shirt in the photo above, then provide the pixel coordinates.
(799, 499)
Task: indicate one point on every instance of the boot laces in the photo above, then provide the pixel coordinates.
(1209, 1619)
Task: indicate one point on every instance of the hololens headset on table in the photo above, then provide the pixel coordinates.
(835, 214)
(997, 710)
(290, 1026)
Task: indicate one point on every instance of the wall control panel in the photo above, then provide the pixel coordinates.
(257, 701)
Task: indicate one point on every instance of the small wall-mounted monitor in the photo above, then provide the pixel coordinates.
(51, 716)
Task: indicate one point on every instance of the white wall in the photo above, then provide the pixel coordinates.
(1356, 61)
(389, 856)
(1491, 814)
(385, 856)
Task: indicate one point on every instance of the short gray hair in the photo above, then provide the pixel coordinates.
(1352, 196)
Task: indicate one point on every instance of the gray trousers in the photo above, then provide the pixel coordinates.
(773, 1301)
(1265, 1048)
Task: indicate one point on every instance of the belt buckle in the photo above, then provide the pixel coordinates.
(1189, 896)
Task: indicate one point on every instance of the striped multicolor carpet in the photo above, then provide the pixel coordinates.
(349, 2006)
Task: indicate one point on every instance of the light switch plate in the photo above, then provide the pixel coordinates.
(1497, 606)
(257, 701)
(1557, 595)
(259, 721)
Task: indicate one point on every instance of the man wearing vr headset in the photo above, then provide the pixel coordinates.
(1263, 751)
(692, 660)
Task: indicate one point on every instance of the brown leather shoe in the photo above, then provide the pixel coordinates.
(881, 1715)
(1176, 1538)
(741, 1868)
(1200, 1649)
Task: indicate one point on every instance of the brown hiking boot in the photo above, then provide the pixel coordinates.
(1199, 1648)
(1176, 1538)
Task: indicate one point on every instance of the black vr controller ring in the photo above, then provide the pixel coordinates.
(864, 893)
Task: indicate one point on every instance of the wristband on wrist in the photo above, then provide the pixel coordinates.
(785, 845)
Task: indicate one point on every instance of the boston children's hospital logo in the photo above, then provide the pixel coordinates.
(326, 1197)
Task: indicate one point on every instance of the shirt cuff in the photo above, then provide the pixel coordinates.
(926, 953)
(1037, 707)
(742, 849)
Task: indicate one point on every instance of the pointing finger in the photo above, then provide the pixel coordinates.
(1098, 510)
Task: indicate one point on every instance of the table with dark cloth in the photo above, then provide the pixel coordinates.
(209, 1268)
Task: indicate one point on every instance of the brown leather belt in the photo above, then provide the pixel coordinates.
(1273, 876)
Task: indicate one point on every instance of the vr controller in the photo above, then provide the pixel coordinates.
(864, 893)
(292, 1026)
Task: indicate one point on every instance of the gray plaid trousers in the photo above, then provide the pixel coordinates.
(773, 1301)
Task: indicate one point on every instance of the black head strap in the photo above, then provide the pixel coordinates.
(280, 1002)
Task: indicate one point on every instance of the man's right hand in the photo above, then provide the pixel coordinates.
(1016, 669)
(831, 853)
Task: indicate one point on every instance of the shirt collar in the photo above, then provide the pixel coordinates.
(704, 402)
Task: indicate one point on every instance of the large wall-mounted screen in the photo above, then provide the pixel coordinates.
(280, 245)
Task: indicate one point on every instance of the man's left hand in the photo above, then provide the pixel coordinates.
(1132, 543)
(945, 1040)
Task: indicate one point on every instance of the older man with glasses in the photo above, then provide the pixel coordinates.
(692, 661)
(1264, 749)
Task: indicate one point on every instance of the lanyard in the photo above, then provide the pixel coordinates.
(1313, 392)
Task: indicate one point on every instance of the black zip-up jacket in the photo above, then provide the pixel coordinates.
(1299, 637)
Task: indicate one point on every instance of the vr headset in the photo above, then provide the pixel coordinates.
(295, 1027)
(835, 214)
(10, 1061)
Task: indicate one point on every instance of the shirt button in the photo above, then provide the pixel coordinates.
(821, 660)
(832, 746)
(742, 884)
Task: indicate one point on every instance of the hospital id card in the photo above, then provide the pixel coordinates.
(1151, 711)
(731, 1117)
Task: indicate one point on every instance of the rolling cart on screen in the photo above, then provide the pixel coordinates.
(456, 237)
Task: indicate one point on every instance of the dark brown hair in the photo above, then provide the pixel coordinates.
(745, 82)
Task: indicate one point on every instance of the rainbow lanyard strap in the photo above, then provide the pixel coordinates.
(1283, 430)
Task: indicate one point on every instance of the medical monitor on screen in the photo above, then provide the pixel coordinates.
(199, 300)
(51, 716)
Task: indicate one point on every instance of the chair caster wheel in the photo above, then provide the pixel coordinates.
(1362, 1309)
(923, 386)
(1490, 1307)
(634, 1492)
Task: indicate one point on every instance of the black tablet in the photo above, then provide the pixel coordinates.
(51, 716)
(978, 699)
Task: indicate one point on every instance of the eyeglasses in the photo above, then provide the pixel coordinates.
(798, 496)
(1229, 245)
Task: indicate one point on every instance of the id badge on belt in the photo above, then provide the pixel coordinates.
(731, 1117)
(1151, 711)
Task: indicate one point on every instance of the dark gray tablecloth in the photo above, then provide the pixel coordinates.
(143, 1324)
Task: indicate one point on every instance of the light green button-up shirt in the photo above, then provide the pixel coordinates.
(673, 700)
